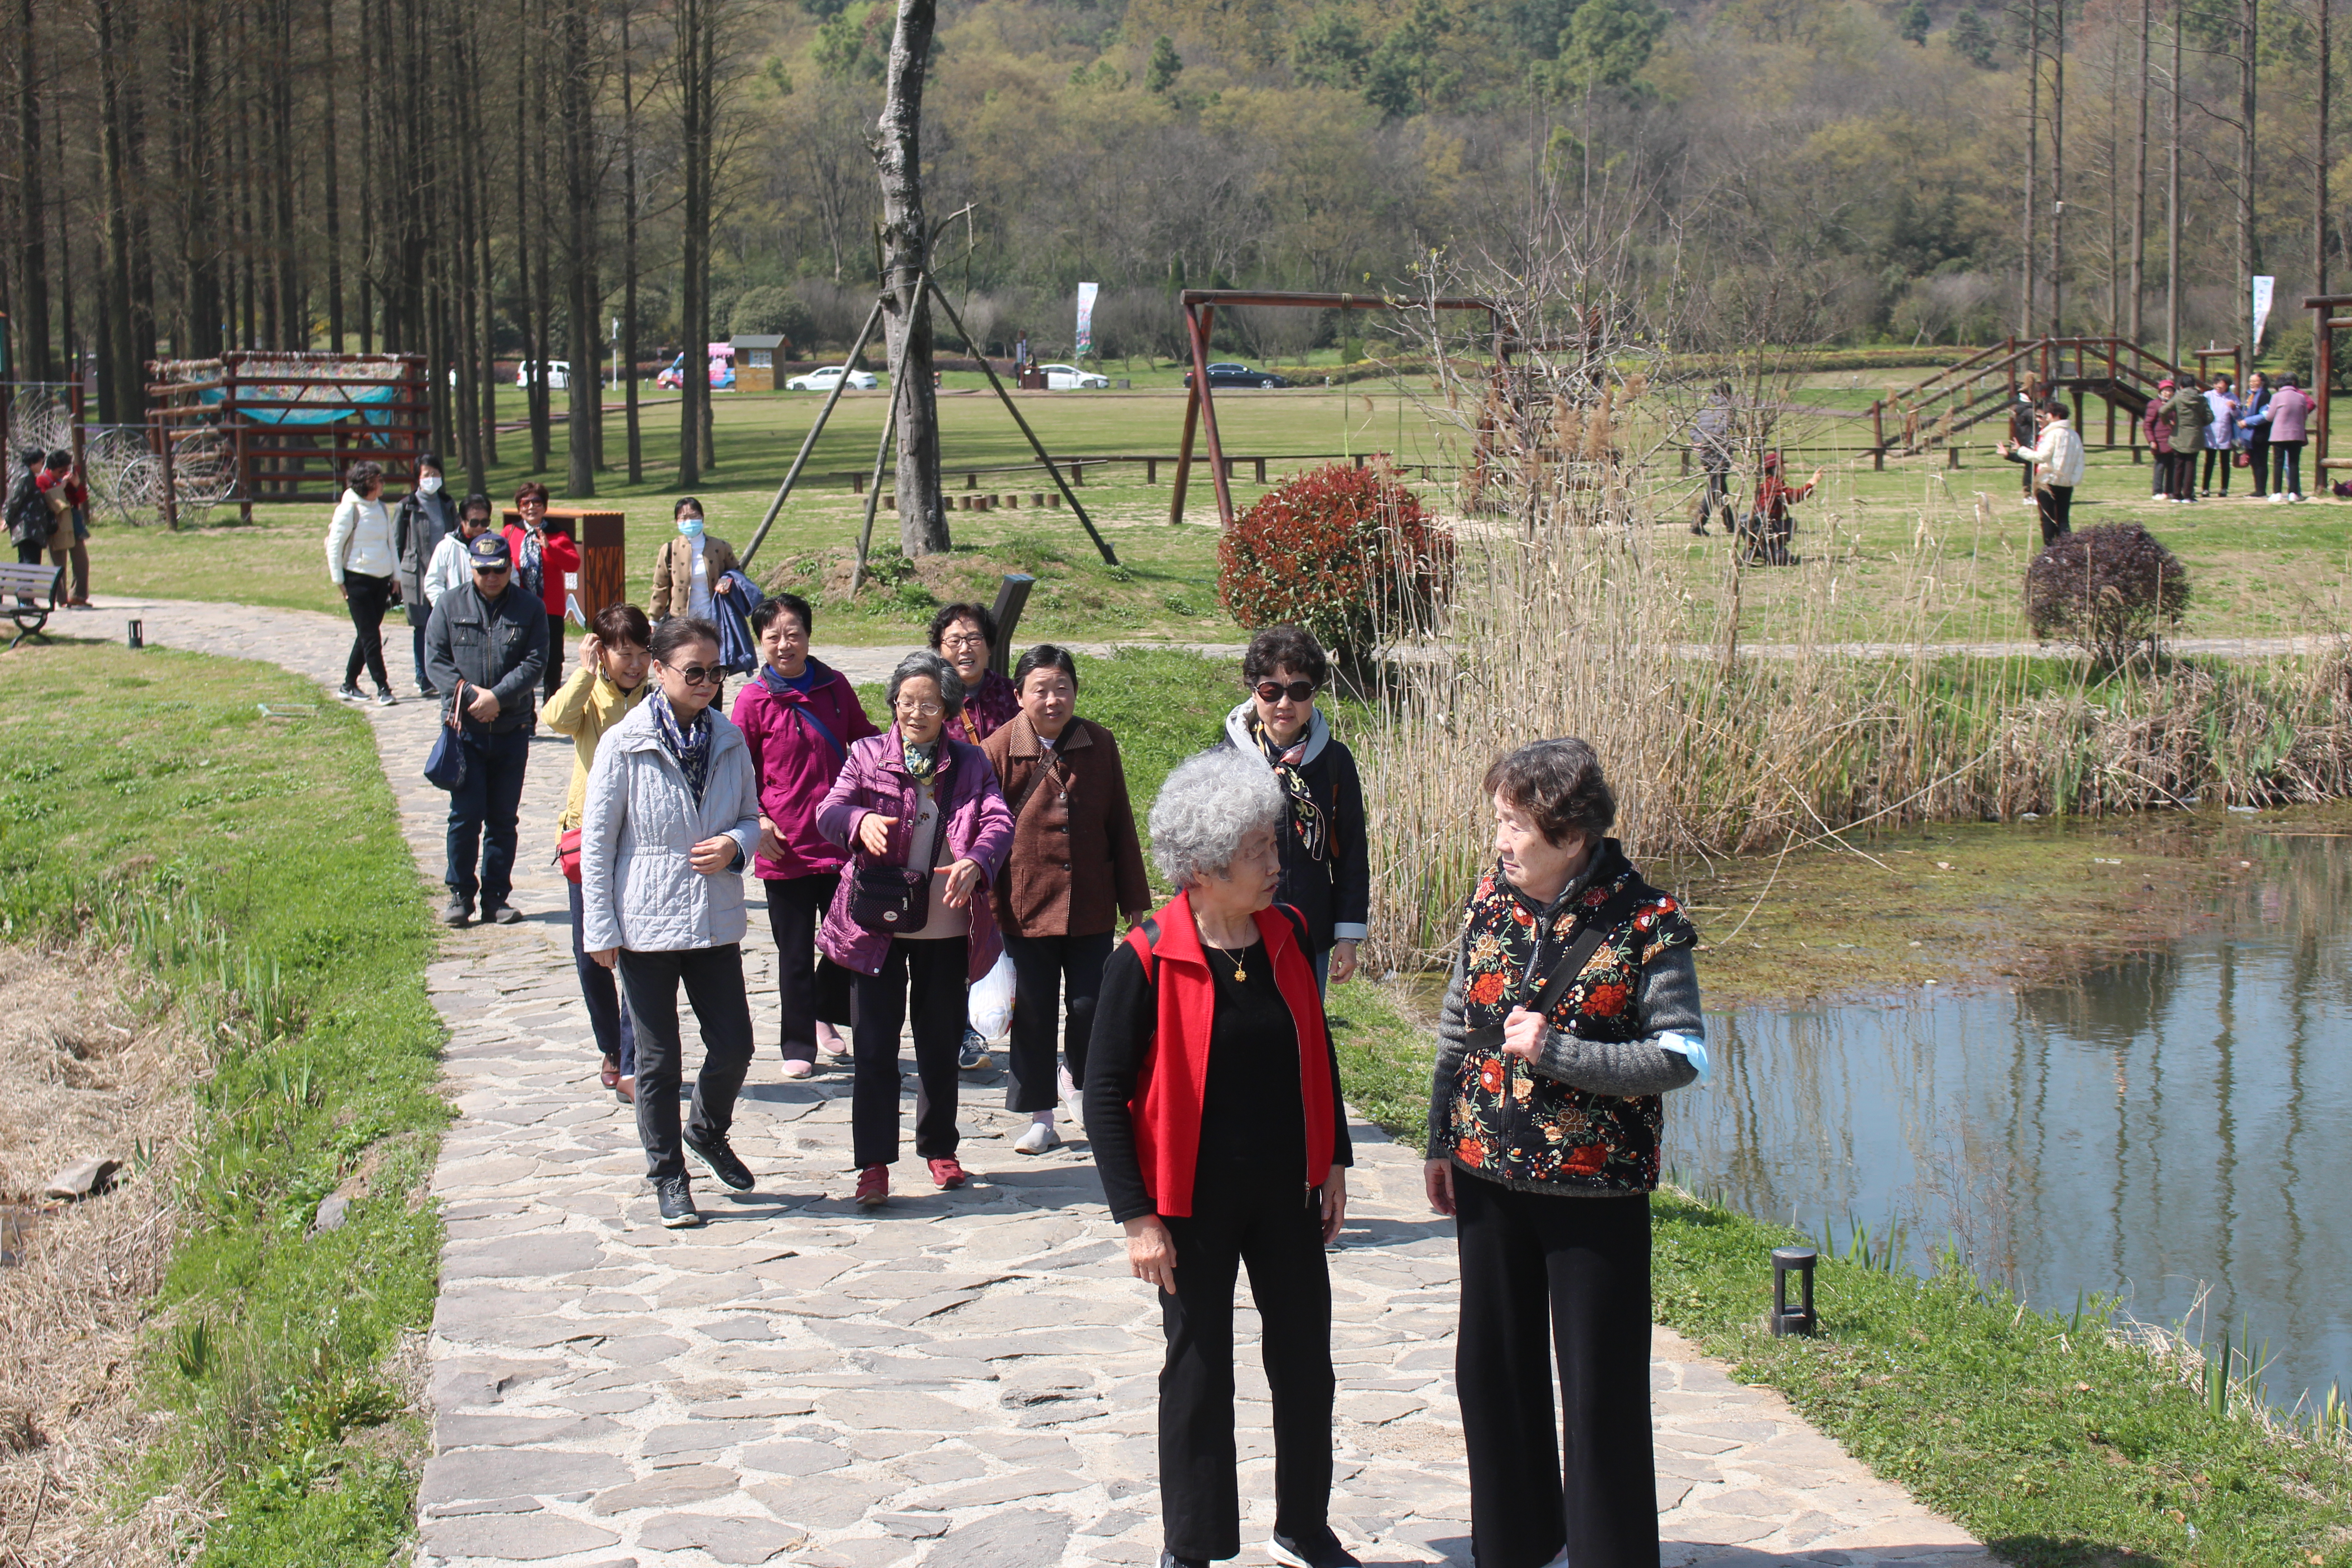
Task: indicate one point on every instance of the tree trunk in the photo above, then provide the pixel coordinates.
(2319, 185)
(2058, 165)
(119, 395)
(329, 100)
(694, 391)
(2172, 206)
(371, 62)
(2032, 163)
(32, 314)
(629, 252)
(533, 258)
(2139, 193)
(905, 244)
(2249, 254)
(707, 87)
(295, 330)
(579, 234)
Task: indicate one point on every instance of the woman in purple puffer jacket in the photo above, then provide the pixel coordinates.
(916, 796)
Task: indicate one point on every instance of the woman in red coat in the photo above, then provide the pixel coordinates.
(546, 567)
(1213, 1101)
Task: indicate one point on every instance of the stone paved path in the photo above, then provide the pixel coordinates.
(962, 1378)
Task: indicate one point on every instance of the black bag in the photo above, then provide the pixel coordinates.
(889, 900)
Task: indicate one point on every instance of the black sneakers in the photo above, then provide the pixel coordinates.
(715, 1153)
(459, 910)
(1317, 1548)
(677, 1198)
(503, 914)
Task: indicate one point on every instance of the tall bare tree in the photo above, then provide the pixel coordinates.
(32, 310)
(906, 262)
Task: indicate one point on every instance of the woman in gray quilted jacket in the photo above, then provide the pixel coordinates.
(669, 825)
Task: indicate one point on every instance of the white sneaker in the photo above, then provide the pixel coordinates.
(2278, 495)
(1039, 1138)
(1074, 1111)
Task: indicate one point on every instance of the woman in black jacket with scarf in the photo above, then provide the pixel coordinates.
(1326, 873)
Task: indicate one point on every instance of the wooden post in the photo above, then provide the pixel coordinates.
(1012, 598)
(1200, 326)
(1191, 414)
(1877, 438)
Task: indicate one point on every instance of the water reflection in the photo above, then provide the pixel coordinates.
(2179, 1121)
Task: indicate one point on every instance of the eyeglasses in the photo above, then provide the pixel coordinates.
(1297, 691)
(698, 674)
(963, 642)
(920, 710)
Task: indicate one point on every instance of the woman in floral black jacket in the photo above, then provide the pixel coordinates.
(1544, 1119)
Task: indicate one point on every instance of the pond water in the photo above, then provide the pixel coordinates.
(2169, 1130)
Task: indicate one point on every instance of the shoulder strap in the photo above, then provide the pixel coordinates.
(806, 710)
(1297, 924)
(1596, 930)
(1144, 937)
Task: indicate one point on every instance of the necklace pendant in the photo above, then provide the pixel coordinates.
(1240, 974)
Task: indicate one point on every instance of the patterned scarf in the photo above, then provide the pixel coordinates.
(690, 743)
(534, 581)
(922, 761)
(1306, 817)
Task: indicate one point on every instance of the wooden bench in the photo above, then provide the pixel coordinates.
(36, 592)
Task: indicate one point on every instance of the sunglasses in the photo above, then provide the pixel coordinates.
(1297, 691)
(492, 570)
(698, 674)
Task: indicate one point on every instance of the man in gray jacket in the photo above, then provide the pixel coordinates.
(484, 649)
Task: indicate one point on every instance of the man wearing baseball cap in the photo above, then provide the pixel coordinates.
(483, 650)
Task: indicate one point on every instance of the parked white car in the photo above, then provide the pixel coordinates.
(1070, 378)
(824, 378)
(559, 374)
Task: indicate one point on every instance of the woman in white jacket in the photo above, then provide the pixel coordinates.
(2056, 459)
(670, 823)
(360, 563)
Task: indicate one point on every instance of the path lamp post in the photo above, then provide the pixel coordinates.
(1797, 1319)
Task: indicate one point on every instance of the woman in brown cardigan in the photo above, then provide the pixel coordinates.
(1077, 865)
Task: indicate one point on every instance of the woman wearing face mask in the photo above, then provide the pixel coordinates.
(426, 518)
(604, 689)
(690, 568)
(800, 718)
(1326, 872)
(1573, 1009)
(1077, 865)
(545, 559)
(671, 820)
(915, 798)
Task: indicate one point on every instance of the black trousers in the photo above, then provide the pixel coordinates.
(1265, 1219)
(482, 812)
(615, 1037)
(713, 979)
(417, 619)
(2288, 475)
(1719, 495)
(2222, 455)
(2055, 503)
(932, 972)
(551, 676)
(2258, 461)
(1547, 1276)
(2182, 486)
(368, 599)
(29, 552)
(795, 904)
(1040, 966)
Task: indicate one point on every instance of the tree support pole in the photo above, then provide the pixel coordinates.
(1110, 557)
(897, 368)
(808, 444)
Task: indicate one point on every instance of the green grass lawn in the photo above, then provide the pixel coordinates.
(1895, 555)
(257, 865)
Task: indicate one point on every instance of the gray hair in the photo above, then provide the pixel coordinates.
(924, 664)
(1209, 805)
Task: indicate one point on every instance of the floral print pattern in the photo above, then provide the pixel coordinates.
(1516, 1125)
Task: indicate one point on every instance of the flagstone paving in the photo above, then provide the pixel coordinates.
(964, 1378)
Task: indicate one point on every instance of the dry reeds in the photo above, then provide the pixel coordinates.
(88, 1075)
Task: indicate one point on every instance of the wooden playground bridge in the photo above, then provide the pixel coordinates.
(1984, 386)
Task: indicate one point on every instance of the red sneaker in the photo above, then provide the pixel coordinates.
(874, 1186)
(947, 1174)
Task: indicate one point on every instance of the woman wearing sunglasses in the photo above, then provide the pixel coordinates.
(919, 801)
(1327, 874)
(670, 824)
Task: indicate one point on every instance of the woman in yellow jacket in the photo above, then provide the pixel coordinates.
(610, 681)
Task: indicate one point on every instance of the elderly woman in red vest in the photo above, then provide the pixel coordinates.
(1574, 1007)
(1213, 1101)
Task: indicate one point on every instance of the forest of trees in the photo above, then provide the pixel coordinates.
(493, 181)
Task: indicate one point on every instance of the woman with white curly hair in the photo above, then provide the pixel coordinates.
(1213, 1101)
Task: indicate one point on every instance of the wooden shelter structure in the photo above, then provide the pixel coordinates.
(290, 423)
(2324, 324)
(2117, 371)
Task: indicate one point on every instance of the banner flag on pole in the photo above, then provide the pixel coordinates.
(2263, 290)
(1086, 292)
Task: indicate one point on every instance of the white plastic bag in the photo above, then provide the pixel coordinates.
(992, 1000)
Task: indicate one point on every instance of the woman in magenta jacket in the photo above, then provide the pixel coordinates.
(799, 717)
(914, 798)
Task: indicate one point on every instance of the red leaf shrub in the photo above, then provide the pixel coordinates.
(1345, 552)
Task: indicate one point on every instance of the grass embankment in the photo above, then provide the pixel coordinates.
(1906, 549)
(255, 868)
